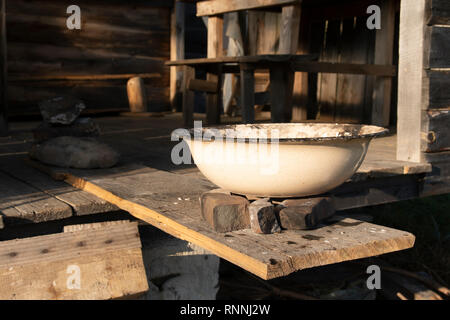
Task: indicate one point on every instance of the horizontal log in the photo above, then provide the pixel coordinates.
(436, 93)
(437, 47)
(215, 7)
(14, 78)
(436, 135)
(349, 68)
(438, 12)
(203, 85)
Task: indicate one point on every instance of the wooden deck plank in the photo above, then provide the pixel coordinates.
(22, 202)
(108, 257)
(150, 195)
(81, 202)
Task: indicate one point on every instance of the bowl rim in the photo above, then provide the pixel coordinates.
(350, 132)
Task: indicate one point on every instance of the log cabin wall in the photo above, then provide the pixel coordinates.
(337, 32)
(116, 37)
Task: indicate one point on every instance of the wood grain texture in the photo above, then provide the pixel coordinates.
(410, 80)
(214, 7)
(109, 259)
(438, 12)
(436, 135)
(267, 257)
(384, 54)
(81, 203)
(437, 46)
(115, 38)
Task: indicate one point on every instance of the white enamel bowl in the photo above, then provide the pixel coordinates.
(307, 159)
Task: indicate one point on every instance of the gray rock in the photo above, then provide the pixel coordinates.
(81, 127)
(75, 152)
(61, 110)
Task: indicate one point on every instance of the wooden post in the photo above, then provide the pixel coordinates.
(215, 50)
(280, 80)
(188, 97)
(410, 80)
(384, 47)
(137, 97)
(177, 27)
(3, 71)
(247, 93)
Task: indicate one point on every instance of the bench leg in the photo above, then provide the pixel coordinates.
(247, 94)
(188, 97)
(213, 100)
(281, 86)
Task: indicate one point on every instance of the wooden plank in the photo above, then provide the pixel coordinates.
(435, 93)
(438, 12)
(289, 34)
(177, 48)
(346, 68)
(82, 203)
(262, 59)
(437, 47)
(384, 53)
(214, 50)
(203, 85)
(93, 77)
(436, 134)
(410, 80)
(3, 71)
(267, 257)
(214, 7)
(350, 90)
(108, 260)
(24, 203)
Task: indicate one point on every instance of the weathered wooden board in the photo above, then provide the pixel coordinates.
(151, 195)
(214, 7)
(438, 12)
(410, 80)
(435, 93)
(22, 202)
(437, 47)
(119, 37)
(81, 203)
(107, 259)
(436, 126)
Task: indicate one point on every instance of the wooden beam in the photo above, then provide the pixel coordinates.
(97, 262)
(410, 80)
(289, 33)
(177, 48)
(437, 12)
(202, 85)
(214, 50)
(214, 7)
(267, 257)
(384, 53)
(3, 71)
(92, 77)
